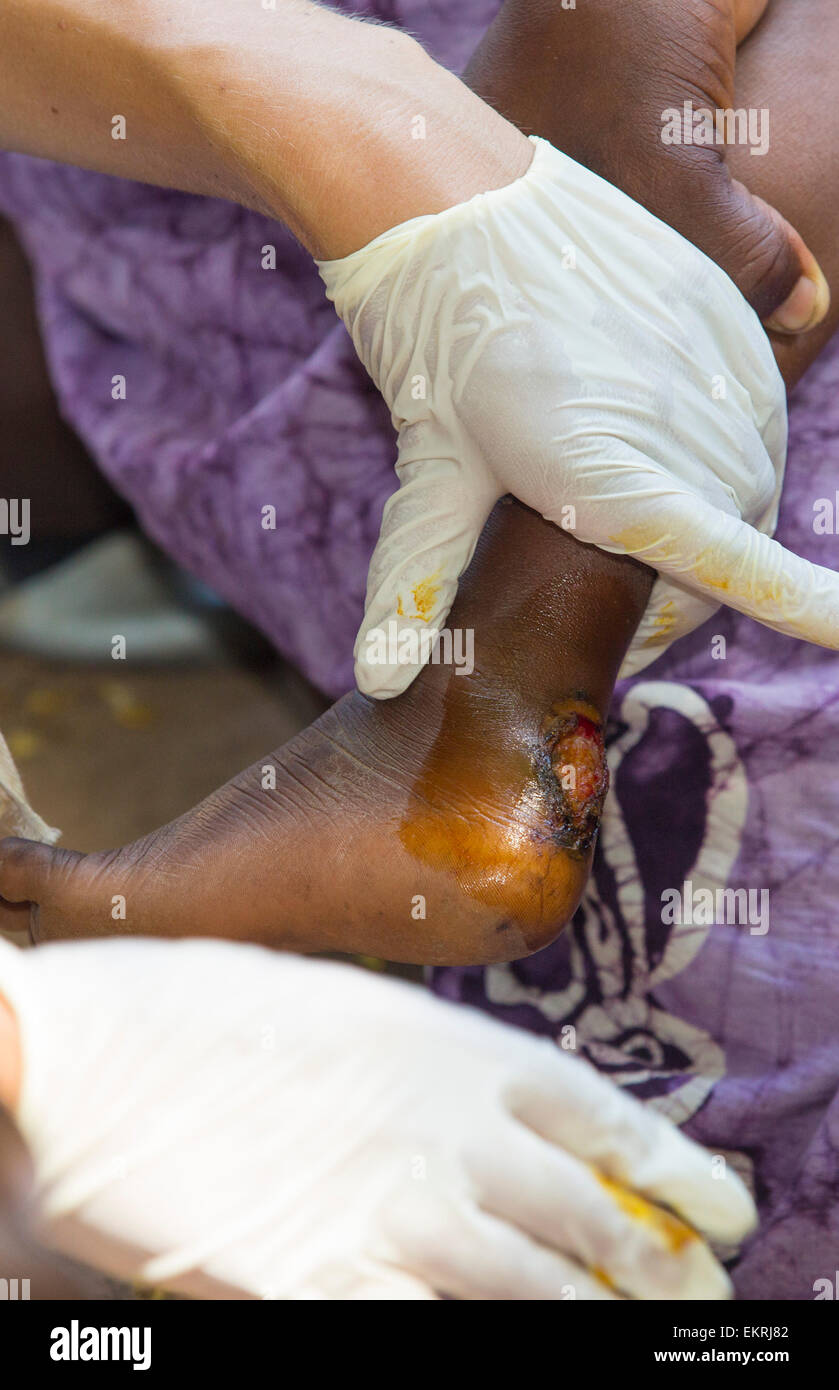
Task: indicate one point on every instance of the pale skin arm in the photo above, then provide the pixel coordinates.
(298, 111)
(9, 1057)
(306, 115)
(20, 1256)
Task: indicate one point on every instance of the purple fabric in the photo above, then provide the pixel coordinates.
(724, 773)
(242, 393)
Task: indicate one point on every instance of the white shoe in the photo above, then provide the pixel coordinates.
(118, 586)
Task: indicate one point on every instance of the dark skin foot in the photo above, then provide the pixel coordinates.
(480, 792)
(451, 792)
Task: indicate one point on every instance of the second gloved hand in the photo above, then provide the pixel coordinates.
(223, 1119)
(554, 340)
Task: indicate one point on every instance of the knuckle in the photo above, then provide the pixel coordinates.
(756, 253)
(25, 858)
(14, 850)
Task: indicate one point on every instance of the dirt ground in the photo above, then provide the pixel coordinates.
(109, 752)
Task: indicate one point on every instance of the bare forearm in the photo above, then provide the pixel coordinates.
(70, 68)
(300, 112)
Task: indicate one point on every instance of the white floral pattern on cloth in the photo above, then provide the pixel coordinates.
(620, 1025)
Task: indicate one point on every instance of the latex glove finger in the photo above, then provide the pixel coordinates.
(474, 1255)
(709, 551)
(581, 1111)
(636, 1246)
(722, 558)
(430, 528)
(672, 612)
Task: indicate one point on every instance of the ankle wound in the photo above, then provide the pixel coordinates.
(574, 773)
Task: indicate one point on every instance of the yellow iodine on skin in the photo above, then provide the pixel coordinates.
(513, 821)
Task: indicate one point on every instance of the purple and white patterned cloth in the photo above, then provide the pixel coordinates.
(243, 391)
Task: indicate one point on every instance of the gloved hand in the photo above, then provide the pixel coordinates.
(201, 1111)
(553, 339)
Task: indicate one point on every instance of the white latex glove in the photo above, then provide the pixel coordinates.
(554, 340)
(300, 1129)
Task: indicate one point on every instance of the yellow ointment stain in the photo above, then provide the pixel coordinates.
(665, 619)
(754, 589)
(424, 595)
(400, 611)
(706, 568)
(492, 829)
(764, 593)
(663, 624)
(674, 1233)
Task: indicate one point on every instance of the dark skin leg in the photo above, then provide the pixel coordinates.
(446, 792)
(69, 496)
(789, 66)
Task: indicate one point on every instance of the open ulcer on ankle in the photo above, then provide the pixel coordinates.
(574, 774)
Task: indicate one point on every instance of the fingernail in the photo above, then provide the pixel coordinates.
(805, 307)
